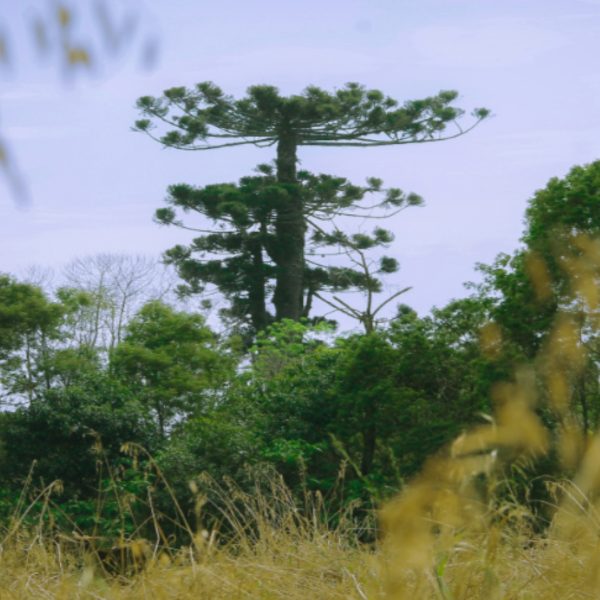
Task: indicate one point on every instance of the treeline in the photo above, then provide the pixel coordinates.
(87, 385)
(351, 416)
(126, 399)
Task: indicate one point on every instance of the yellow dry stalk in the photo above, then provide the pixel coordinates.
(64, 16)
(77, 56)
(3, 50)
(570, 444)
(490, 340)
(559, 391)
(564, 347)
(538, 273)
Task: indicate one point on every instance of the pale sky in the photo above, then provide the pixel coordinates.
(95, 184)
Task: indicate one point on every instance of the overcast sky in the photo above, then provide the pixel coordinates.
(94, 184)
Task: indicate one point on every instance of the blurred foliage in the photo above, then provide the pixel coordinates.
(86, 36)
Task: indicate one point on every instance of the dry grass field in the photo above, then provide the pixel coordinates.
(455, 552)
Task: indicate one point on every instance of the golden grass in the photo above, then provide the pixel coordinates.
(271, 551)
(467, 554)
(307, 569)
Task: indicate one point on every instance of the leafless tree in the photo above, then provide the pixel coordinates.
(117, 285)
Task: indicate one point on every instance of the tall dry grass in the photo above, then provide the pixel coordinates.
(270, 549)
(448, 535)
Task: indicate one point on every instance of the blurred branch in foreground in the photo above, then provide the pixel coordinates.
(75, 37)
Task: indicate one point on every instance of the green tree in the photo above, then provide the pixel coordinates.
(29, 322)
(529, 286)
(73, 433)
(563, 234)
(204, 118)
(561, 211)
(515, 306)
(542, 279)
(381, 403)
(173, 359)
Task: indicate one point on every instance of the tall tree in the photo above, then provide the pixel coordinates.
(204, 118)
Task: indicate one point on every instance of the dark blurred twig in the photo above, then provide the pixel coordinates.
(55, 35)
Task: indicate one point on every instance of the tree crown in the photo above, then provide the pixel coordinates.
(203, 117)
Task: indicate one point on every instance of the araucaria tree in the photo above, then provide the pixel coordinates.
(204, 118)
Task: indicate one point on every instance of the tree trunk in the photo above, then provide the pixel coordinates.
(160, 415)
(256, 289)
(369, 435)
(289, 231)
(29, 369)
(581, 393)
